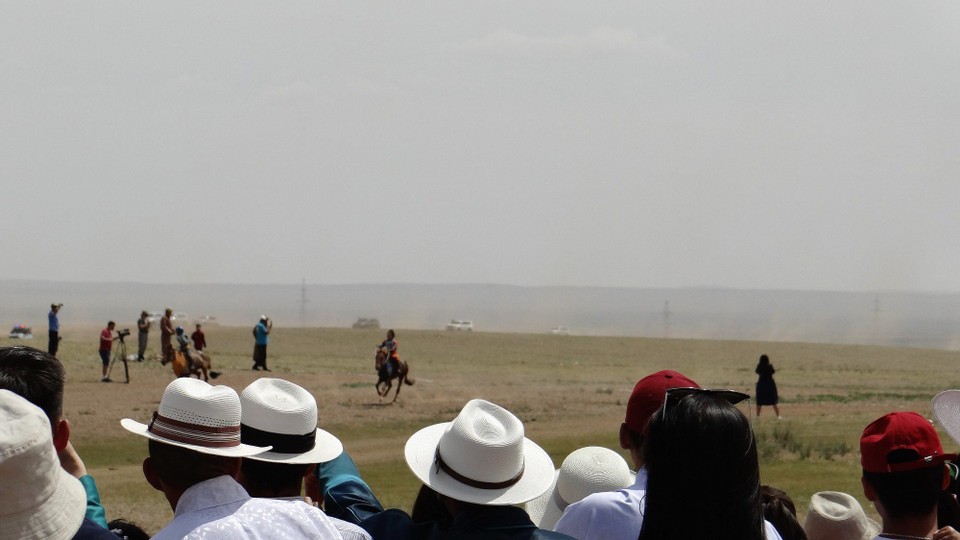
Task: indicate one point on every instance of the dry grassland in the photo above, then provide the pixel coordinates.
(569, 391)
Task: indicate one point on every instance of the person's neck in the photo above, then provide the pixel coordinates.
(911, 527)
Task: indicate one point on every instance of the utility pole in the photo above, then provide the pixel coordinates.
(666, 319)
(303, 303)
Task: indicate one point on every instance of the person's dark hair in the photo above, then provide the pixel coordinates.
(908, 493)
(779, 510)
(182, 468)
(702, 445)
(427, 508)
(263, 477)
(127, 530)
(390, 332)
(34, 375)
(764, 360)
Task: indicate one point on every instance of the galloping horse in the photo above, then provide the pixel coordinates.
(181, 367)
(402, 373)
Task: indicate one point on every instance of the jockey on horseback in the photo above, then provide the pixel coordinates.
(193, 364)
(393, 359)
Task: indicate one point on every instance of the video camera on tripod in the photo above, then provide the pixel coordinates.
(123, 333)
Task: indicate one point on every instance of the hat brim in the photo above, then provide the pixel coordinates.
(545, 511)
(325, 448)
(57, 518)
(241, 450)
(537, 476)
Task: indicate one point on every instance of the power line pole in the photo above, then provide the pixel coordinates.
(666, 319)
(303, 303)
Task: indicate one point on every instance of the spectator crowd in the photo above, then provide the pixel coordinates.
(255, 465)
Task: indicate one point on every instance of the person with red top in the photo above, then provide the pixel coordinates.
(393, 359)
(199, 339)
(106, 343)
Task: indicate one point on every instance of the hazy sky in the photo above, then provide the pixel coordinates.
(765, 144)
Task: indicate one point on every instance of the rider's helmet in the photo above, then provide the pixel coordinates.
(179, 329)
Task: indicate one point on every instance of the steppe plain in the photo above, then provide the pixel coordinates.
(570, 391)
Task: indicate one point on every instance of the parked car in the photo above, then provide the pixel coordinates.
(560, 331)
(364, 322)
(20, 331)
(208, 320)
(459, 325)
(154, 316)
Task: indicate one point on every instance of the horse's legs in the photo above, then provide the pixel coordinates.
(399, 385)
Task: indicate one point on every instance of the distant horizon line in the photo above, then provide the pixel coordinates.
(476, 284)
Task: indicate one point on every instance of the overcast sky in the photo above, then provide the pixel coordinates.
(766, 144)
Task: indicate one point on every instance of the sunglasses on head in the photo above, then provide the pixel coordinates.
(674, 395)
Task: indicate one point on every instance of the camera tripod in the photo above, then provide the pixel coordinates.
(120, 353)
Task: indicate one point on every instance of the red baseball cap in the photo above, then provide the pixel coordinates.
(900, 431)
(648, 395)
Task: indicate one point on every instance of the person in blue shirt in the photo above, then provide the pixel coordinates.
(261, 337)
(54, 327)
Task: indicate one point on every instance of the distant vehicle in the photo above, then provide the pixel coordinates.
(208, 320)
(154, 316)
(364, 322)
(181, 317)
(560, 331)
(459, 325)
(20, 331)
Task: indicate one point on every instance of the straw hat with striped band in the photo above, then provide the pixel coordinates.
(198, 417)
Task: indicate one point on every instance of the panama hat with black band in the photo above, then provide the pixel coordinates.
(283, 415)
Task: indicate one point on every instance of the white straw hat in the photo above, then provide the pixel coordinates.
(481, 457)
(946, 409)
(38, 499)
(199, 417)
(283, 415)
(585, 471)
(837, 516)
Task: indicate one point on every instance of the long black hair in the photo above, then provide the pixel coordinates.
(702, 468)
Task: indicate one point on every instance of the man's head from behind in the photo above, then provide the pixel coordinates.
(198, 424)
(282, 415)
(903, 464)
(480, 458)
(646, 398)
(38, 377)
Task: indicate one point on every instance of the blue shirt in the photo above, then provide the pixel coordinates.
(260, 334)
(53, 321)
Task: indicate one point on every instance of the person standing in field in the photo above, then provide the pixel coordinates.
(766, 386)
(106, 344)
(143, 329)
(199, 339)
(166, 334)
(53, 323)
(261, 337)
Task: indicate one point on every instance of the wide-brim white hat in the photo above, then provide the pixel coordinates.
(481, 457)
(589, 470)
(284, 415)
(946, 409)
(834, 515)
(199, 417)
(38, 498)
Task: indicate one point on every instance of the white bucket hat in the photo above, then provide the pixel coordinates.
(837, 516)
(946, 409)
(585, 471)
(198, 417)
(38, 499)
(283, 415)
(481, 457)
